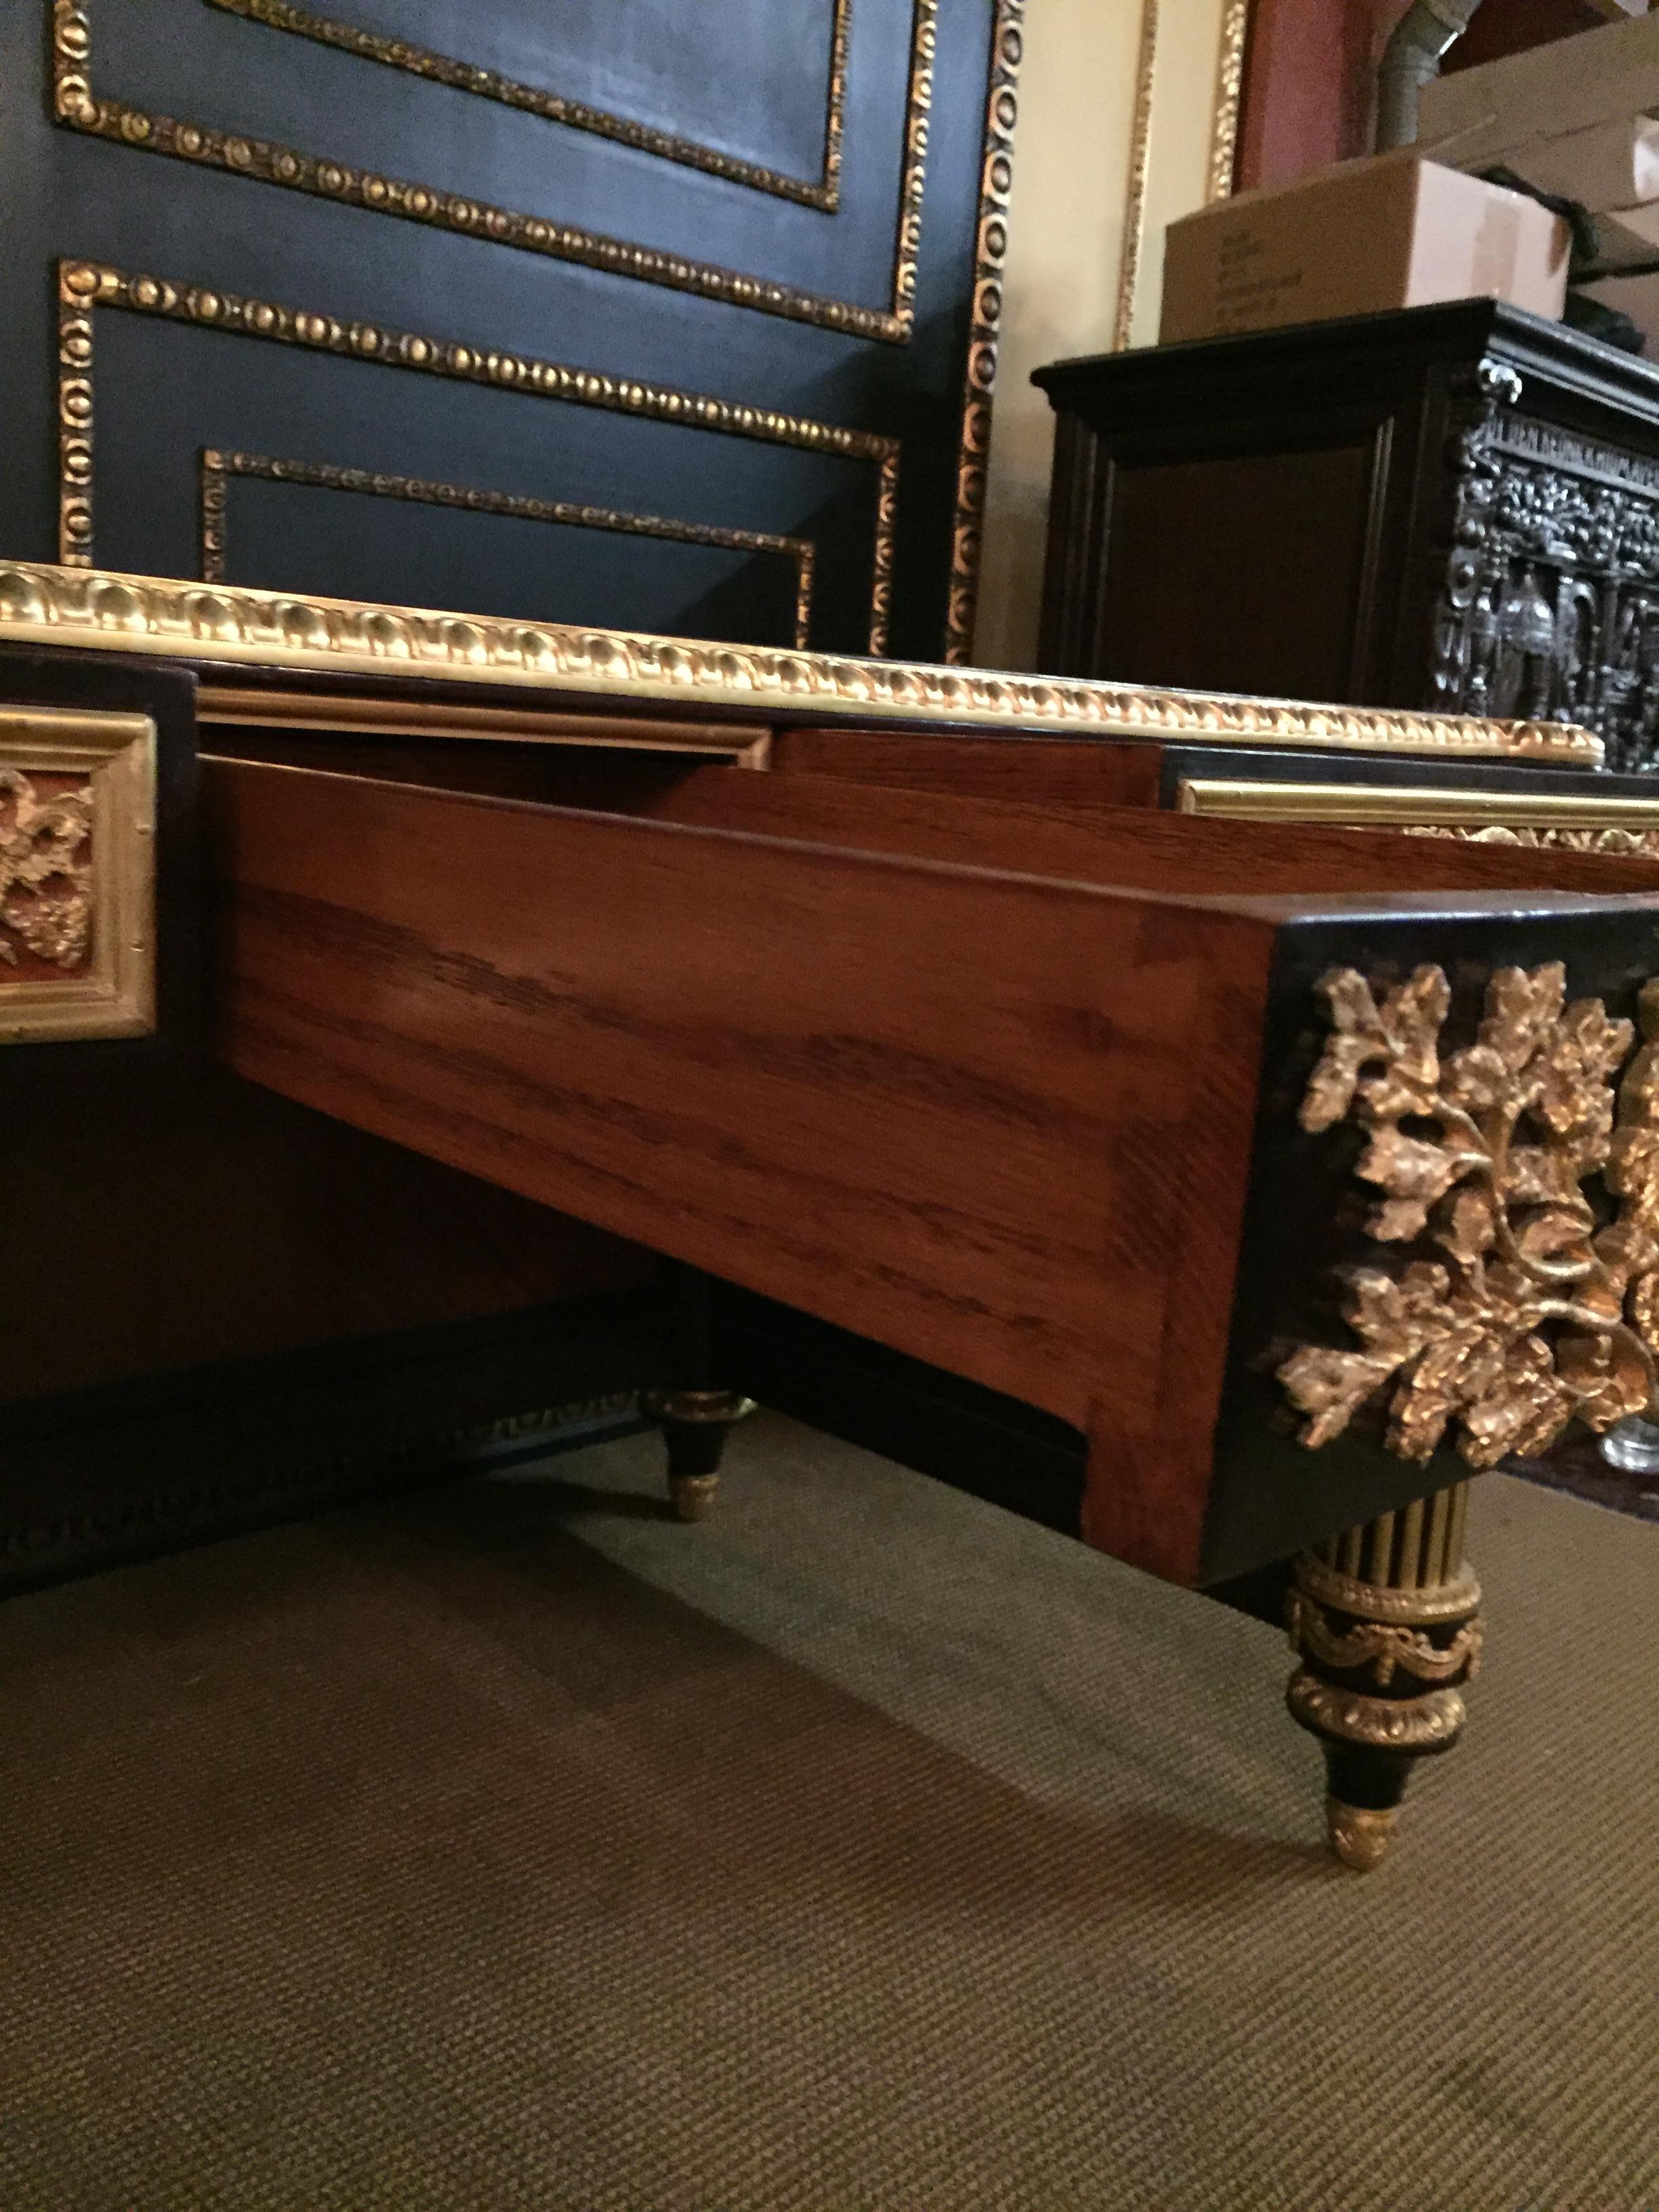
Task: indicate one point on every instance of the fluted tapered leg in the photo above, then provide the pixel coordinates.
(1386, 1622)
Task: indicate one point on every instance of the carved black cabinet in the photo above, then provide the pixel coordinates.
(1449, 508)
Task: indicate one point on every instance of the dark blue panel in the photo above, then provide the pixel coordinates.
(749, 76)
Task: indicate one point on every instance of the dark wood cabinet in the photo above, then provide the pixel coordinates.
(1453, 507)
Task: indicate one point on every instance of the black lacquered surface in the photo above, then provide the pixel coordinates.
(1306, 1211)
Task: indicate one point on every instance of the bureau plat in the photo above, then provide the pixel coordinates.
(1221, 1192)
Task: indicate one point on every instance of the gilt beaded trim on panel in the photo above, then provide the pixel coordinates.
(78, 107)
(822, 191)
(218, 468)
(84, 286)
(990, 255)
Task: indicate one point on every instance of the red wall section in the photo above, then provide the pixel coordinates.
(1310, 72)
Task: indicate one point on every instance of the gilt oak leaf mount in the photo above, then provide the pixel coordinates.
(1522, 1189)
(46, 872)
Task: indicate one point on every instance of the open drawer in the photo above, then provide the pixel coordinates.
(1030, 1125)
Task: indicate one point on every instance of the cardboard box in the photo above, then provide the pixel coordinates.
(1393, 231)
(1477, 117)
(1610, 165)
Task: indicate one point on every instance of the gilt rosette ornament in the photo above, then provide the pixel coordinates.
(1523, 1190)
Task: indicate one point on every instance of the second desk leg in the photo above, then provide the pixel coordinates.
(695, 1425)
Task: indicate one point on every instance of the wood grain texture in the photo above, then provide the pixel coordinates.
(1134, 848)
(162, 1217)
(561, 775)
(1063, 770)
(1000, 1124)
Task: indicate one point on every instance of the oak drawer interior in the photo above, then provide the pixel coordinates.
(1139, 846)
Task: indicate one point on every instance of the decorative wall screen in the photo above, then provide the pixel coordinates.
(676, 315)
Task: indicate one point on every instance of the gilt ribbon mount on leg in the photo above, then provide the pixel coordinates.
(1523, 1187)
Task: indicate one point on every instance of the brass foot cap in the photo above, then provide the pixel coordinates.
(1359, 1836)
(692, 1495)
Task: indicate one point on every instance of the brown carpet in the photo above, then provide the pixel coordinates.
(863, 1848)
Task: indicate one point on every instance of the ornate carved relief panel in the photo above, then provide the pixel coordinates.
(1550, 605)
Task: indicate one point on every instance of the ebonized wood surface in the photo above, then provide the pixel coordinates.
(170, 1226)
(1305, 1216)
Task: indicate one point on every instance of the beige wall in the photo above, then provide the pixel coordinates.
(1064, 291)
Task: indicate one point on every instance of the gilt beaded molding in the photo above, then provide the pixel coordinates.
(822, 191)
(1229, 97)
(1140, 156)
(78, 106)
(218, 469)
(978, 383)
(77, 821)
(85, 286)
(43, 605)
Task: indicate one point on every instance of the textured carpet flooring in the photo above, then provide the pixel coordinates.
(863, 1848)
